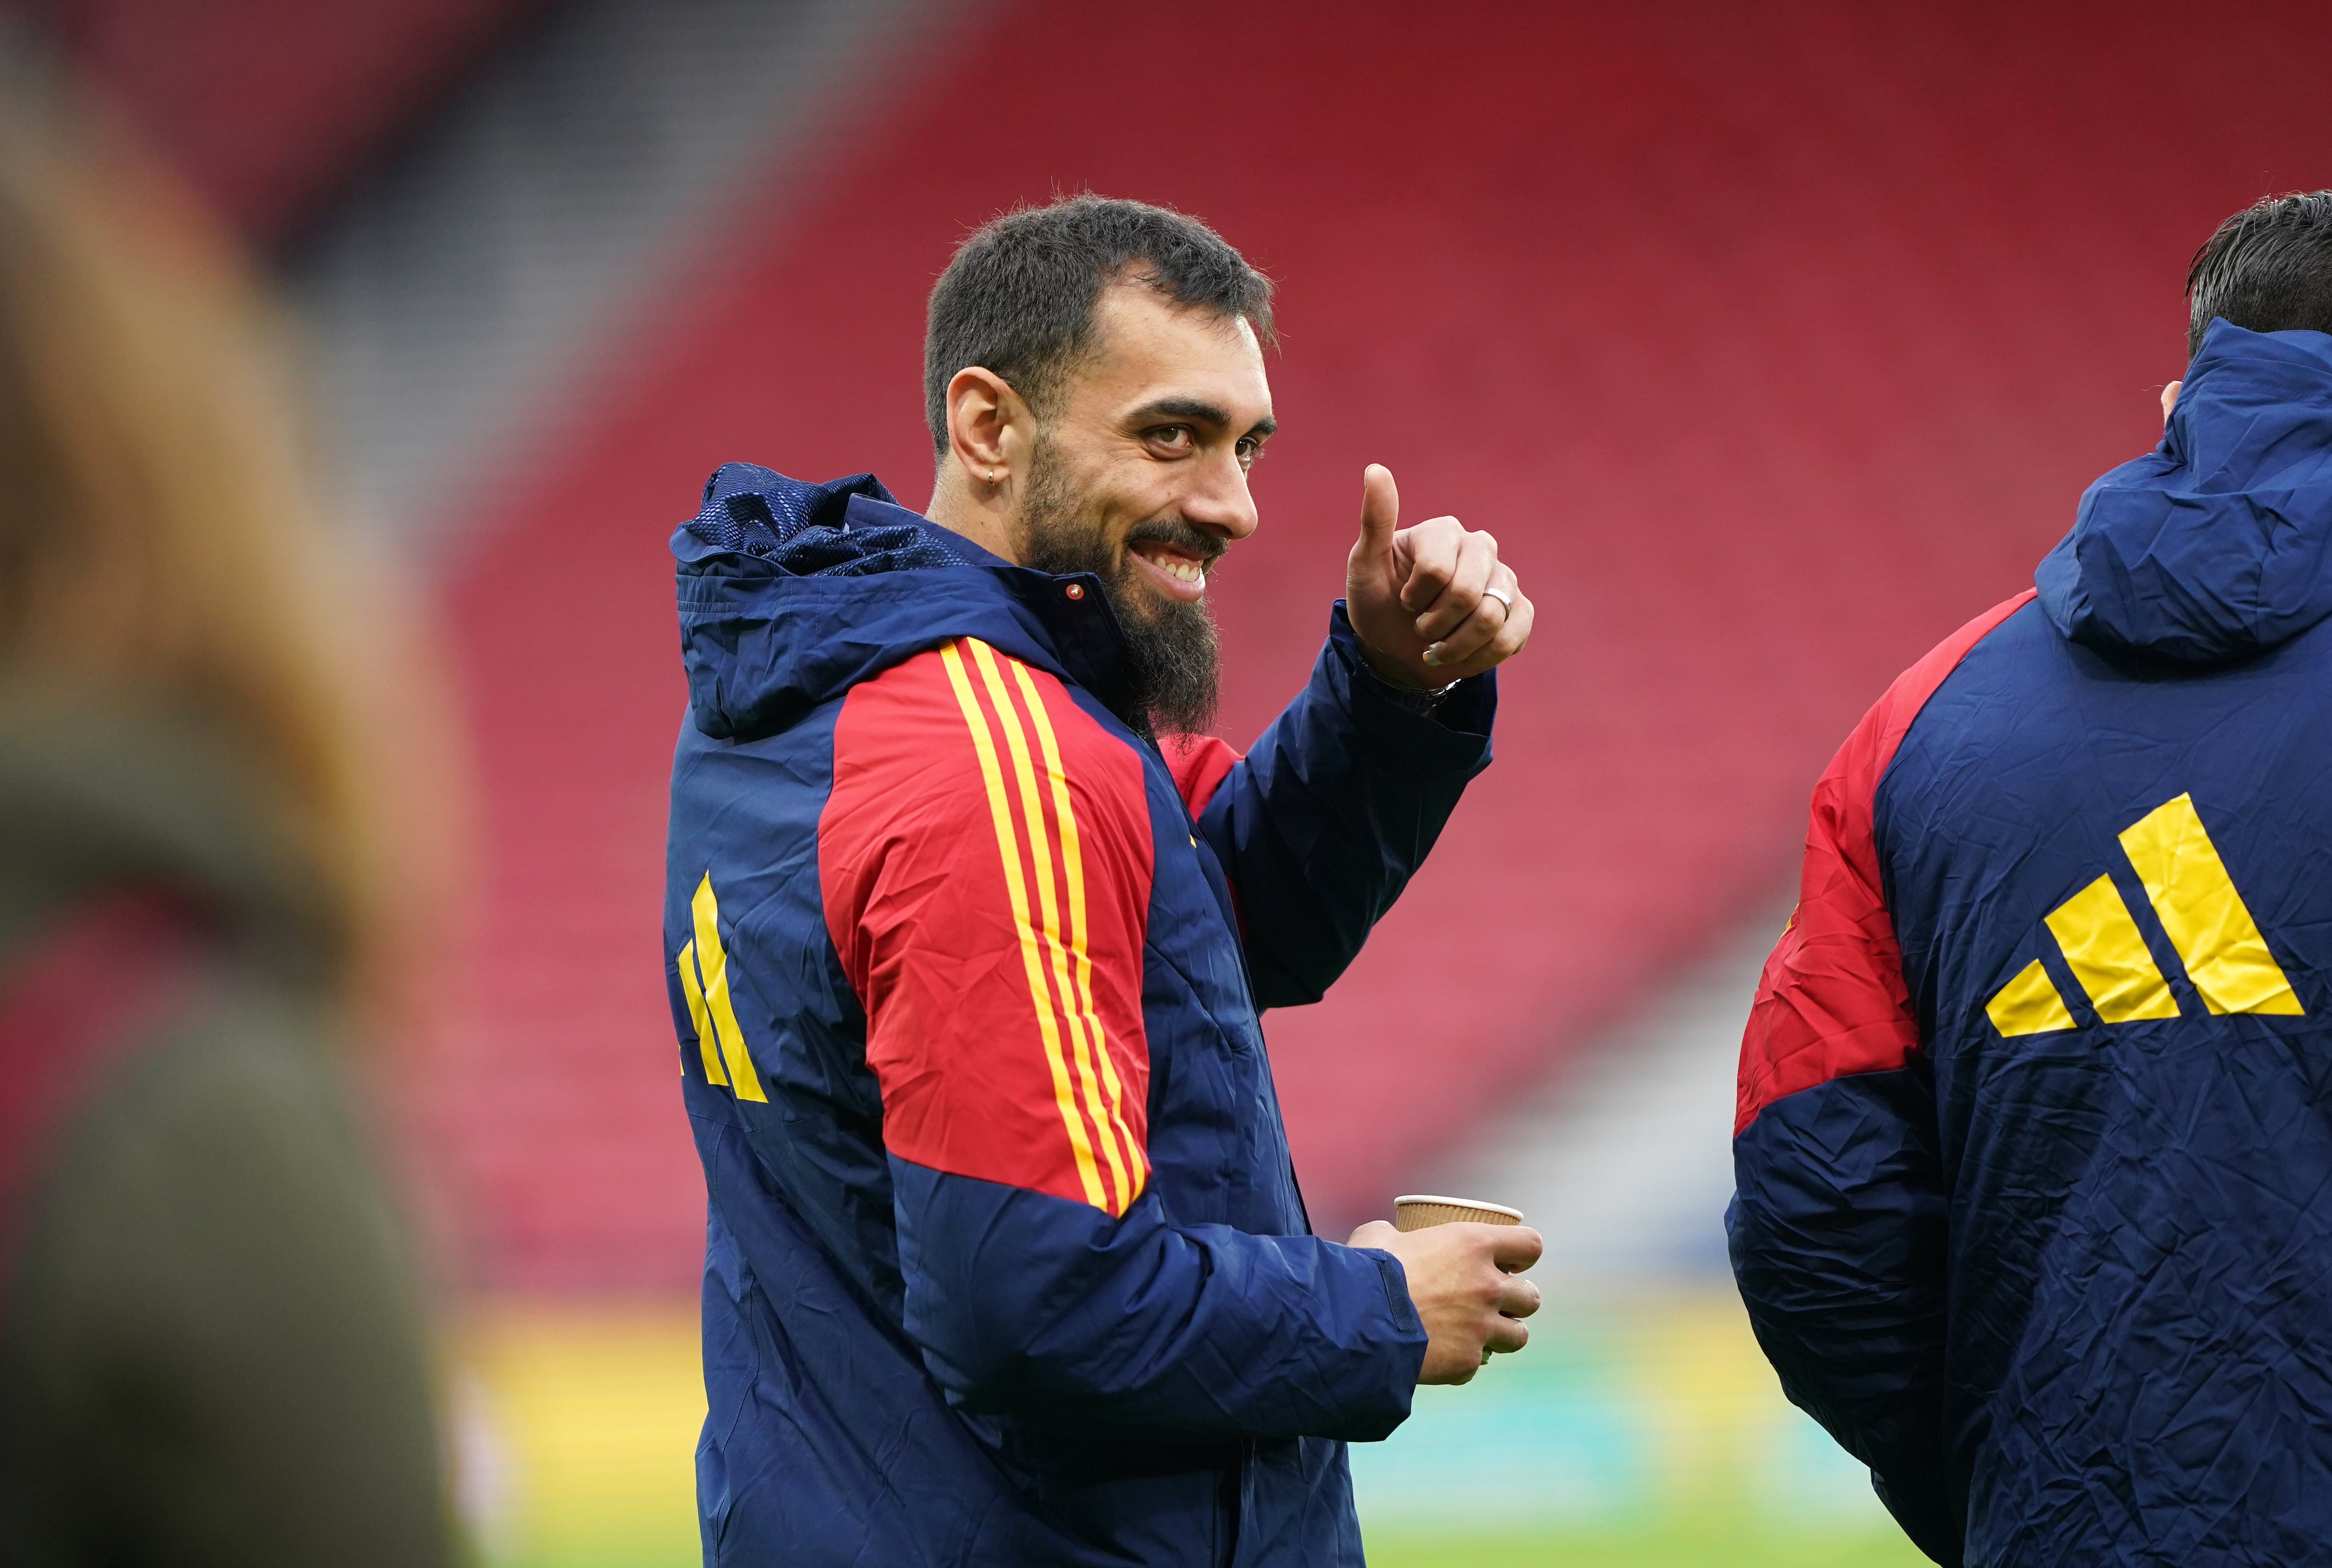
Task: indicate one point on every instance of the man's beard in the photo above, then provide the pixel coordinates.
(1173, 663)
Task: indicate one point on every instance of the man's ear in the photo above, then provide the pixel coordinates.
(989, 427)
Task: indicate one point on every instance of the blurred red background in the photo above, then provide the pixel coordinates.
(1773, 342)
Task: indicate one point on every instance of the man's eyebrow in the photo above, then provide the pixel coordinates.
(1198, 409)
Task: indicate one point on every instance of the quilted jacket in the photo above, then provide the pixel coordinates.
(2034, 1144)
(1006, 1261)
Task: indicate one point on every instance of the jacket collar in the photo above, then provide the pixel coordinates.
(791, 593)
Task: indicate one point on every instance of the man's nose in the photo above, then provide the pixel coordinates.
(1221, 504)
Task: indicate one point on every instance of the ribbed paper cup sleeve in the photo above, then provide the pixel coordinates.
(1421, 1210)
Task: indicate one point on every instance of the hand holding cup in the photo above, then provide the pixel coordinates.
(1461, 1258)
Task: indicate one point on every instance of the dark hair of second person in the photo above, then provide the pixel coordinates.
(2267, 269)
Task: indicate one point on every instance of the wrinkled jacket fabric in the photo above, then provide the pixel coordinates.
(1006, 1261)
(2034, 1144)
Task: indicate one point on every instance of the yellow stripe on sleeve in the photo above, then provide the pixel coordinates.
(1040, 845)
(2106, 954)
(715, 965)
(1073, 864)
(999, 810)
(2206, 920)
(709, 1048)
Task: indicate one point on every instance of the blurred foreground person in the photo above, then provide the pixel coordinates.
(2034, 1148)
(1006, 1263)
(210, 1350)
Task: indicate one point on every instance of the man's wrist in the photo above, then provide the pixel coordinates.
(1385, 668)
(1393, 675)
(1397, 684)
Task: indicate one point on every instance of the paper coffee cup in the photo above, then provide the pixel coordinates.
(1421, 1210)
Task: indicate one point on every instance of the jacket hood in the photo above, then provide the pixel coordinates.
(791, 593)
(2218, 544)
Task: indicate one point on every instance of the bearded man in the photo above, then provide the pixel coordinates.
(968, 932)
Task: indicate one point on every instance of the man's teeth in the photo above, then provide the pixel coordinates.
(1180, 568)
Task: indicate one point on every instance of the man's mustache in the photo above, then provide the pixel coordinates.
(1206, 548)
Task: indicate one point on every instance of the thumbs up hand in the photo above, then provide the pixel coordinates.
(1432, 603)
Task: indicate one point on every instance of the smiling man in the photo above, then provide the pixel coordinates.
(968, 930)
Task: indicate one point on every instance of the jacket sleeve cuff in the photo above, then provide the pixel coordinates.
(1397, 1301)
(1454, 731)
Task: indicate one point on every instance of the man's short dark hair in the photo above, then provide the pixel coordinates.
(2268, 269)
(1018, 298)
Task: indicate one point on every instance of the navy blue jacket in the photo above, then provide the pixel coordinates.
(1005, 1262)
(2034, 1150)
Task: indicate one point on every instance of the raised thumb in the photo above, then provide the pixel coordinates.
(1380, 510)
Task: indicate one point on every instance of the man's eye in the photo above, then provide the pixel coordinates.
(1176, 436)
(1248, 450)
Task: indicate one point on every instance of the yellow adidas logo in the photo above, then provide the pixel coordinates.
(2201, 911)
(705, 980)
